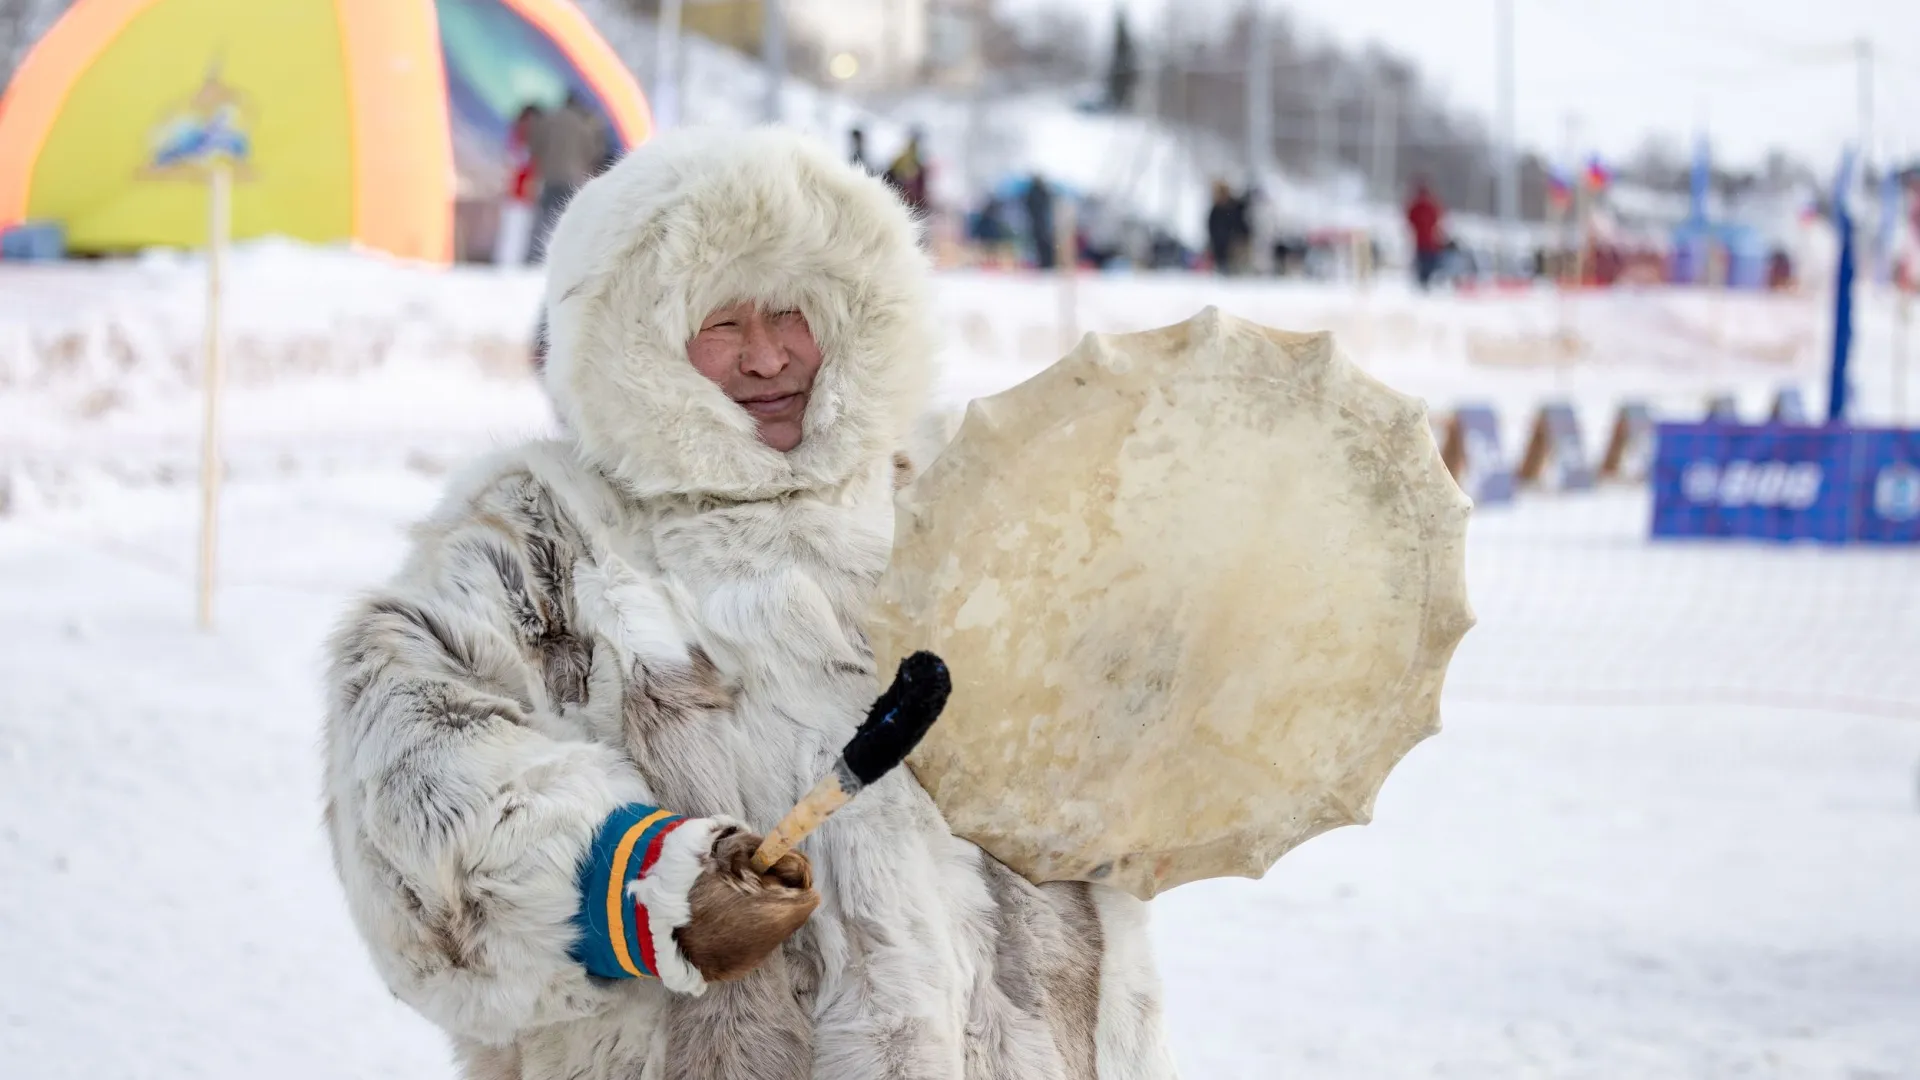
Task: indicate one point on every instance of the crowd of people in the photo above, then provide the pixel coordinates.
(553, 151)
(1021, 223)
(1016, 225)
(907, 174)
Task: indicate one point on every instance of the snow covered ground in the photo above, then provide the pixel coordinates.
(1672, 828)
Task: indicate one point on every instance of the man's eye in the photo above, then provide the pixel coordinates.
(727, 325)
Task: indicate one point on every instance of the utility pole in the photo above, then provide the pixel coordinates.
(1863, 60)
(976, 98)
(1564, 222)
(1508, 165)
(1175, 91)
(1863, 56)
(773, 54)
(666, 66)
(1259, 93)
(1326, 116)
(1385, 145)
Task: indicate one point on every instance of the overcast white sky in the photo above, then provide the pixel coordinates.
(1756, 73)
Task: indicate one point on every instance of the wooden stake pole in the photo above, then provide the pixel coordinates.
(1582, 234)
(1557, 232)
(1719, 271)
(220, 187)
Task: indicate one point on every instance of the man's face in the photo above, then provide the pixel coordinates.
(765, 362)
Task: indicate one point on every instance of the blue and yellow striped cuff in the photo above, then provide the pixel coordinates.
(615, 940)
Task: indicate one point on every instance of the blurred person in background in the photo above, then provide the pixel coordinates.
(908, 175)
(514, 239)
(857, 150)
(1427, 220)
(1039, 206)
(1104, 232)
(988, 231)
(1226, 228)
(568, 145)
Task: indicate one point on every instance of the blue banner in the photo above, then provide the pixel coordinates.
(1833, 485)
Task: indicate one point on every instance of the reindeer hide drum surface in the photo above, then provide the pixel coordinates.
(1197, 588)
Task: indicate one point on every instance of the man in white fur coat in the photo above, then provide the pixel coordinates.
(610, 652)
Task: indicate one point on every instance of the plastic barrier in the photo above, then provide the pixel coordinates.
(1472, 454)
(1556, 457)
(1629, 454)
(1790, 407)
(37, 241)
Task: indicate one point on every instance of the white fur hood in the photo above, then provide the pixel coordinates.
(694, 220)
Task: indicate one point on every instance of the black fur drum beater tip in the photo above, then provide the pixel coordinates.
(892, 729)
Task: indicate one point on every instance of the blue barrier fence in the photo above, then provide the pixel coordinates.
(1836, 485)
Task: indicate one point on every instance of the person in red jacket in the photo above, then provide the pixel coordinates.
(515, 234)
(1429, 238)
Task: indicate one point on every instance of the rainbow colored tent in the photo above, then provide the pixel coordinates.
(345, 120)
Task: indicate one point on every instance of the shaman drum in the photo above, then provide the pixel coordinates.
(1197, 588)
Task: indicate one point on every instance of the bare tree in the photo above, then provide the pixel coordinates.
(21, 24)
(1123, 67)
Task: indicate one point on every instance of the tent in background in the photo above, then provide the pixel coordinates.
(349, 120)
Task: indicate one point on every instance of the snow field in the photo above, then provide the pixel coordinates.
(1670, 828)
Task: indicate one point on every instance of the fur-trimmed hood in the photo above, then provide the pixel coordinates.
(692, 221)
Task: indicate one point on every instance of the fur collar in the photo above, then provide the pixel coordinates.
(694, 220)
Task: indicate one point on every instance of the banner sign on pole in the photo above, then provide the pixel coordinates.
(1834, 485)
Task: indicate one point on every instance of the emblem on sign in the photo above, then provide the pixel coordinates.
(1896, 492)
(210, 126)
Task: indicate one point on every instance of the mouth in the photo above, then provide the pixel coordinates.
(773, 408)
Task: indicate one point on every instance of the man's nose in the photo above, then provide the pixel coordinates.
(761, 352)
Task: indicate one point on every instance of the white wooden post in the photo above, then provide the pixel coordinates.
(220, 189)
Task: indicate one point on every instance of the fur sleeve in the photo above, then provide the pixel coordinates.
(459, 810)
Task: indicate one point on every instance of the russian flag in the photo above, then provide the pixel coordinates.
(1598, 175)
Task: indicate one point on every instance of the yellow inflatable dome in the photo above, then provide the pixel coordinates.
(342, 120)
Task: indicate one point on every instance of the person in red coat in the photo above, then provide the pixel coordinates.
(515, 235)
(1424, 216)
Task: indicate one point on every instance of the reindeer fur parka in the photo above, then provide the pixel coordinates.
(660, 608)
